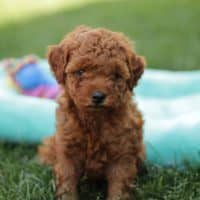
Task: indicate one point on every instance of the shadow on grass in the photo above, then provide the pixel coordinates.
(166, 32)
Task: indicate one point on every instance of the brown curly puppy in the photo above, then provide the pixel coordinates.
(99, 128)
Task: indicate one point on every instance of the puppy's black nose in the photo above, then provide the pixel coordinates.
(98, 97)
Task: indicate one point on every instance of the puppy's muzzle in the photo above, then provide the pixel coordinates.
(98, 97)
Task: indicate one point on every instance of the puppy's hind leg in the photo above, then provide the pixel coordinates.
(47, 152)
(141, 165)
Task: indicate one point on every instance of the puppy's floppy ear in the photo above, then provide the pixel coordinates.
(137, 64)
(58, 62)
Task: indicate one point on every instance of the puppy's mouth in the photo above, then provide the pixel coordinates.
(97, 107)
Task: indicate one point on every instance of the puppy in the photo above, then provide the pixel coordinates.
(99, 128)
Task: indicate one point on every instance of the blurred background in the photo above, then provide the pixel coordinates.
(165, 31)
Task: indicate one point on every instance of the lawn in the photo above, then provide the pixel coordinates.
(165, 31)
(22, 178)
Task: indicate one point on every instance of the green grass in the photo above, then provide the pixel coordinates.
(20, 9)
(165, 31)
(22, 178)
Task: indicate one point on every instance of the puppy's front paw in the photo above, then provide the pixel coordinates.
(66, 196)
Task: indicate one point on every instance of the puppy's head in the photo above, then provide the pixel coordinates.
(97, 67)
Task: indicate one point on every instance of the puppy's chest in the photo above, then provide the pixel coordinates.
(96, 155)
(104, 149)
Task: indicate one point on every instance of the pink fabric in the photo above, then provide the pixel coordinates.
(50, 92)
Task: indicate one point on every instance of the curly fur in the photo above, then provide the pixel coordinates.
(98, 141)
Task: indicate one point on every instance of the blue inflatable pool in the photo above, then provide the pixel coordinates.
(170, 102)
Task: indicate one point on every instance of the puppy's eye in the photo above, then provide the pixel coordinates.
(79, 72)
(117, 76)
